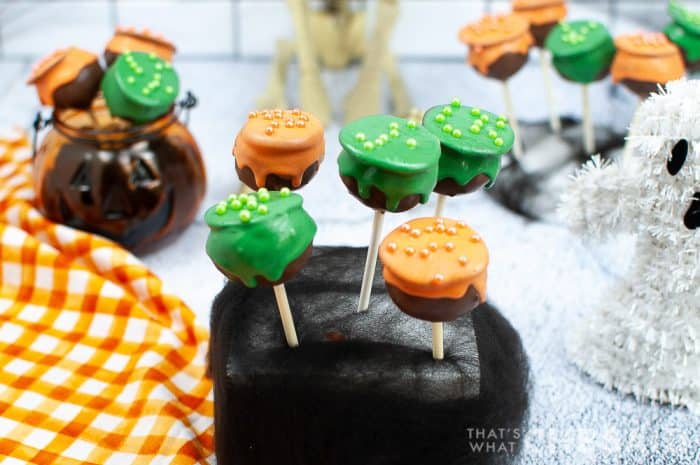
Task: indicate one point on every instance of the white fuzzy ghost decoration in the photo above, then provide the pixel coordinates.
(643, 337)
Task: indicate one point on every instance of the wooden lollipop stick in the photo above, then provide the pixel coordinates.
(438, 344)
(517, 144)
(440, 205)
(546, 65)
(290, 332)
(588, 130)
(371, 262)
(244, 189)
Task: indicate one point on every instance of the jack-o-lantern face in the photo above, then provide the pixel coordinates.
(133, 195)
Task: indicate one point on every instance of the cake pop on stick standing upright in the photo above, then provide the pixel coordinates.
(498, 47)
(279, 148)
(643, 62)
(543, 15)
(472, 143)
(263, 238)
(130, 39)
(435, 270)
(388, 164)
(582, 52)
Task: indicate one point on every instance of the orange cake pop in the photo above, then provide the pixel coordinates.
(645, 60)
(279, 148)
(129, 39)
(498, 44)
(67, 78)
(435, 268)
(542, 15)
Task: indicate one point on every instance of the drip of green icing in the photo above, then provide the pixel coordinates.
(463, 168)
(140, 86)
(684, 31)
(262, 241)
(402, 160)
(582, 51)
(473, 144)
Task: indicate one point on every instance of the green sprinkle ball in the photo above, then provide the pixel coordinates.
(262, 209)
(243, 199)
(379, 142)
(447, 111)
(411, 143)
(440, 118)
(475, 129)
(498, 142)
(394, 125)
(263, 195)
(485, 118)
(368, 145)
(220, 208)
(479, 122)
(447, 128)
(500, 124)
(244, 216)
(475, 112)
(493, 134)
(236, 205)
(411, 124)
(394, 133)
(456, 103)
(284, 192)
(456, 133)
(360, 137)
(384, 137)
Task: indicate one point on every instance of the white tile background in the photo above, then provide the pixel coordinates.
(248, 29)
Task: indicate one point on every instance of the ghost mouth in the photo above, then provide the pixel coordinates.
(692, 216)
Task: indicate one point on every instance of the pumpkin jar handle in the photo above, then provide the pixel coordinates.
(185, 105)
(40, 122)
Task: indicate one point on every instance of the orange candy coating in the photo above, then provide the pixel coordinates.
(281, 142)
(493, 36)
(442, 260)
(56, 69)
(648, 57)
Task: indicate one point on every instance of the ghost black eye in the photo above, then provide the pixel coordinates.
(678, 155)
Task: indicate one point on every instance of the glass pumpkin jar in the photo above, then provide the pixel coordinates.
(132, 184)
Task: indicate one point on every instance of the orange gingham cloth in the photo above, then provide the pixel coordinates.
(98, 364)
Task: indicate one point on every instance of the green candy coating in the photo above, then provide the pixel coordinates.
(262, 241)
(582, 51)
(684, 31)
(474, 144)
(406, 164)
(135, 88)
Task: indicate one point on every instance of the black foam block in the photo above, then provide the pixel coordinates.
(360, 388)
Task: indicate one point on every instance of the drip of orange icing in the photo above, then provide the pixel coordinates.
(435, 258)
(281, 142)
(493, 36)
(56, 69)
(648, 58)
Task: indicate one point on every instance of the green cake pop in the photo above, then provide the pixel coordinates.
(472, 141)
(388, 164)
(140, 87)
(582, 51)
(684, 31)
(262, 238)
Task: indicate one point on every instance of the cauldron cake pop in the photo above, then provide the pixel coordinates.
(472, 143)
(130, 39)
(279, 148)
(435, 270)
(582, 50)
(498, 45)
(140, 87)
(388, 163)
(643, 61)
(542, 15)
(263, 238)
(67, 78)
(684, 31)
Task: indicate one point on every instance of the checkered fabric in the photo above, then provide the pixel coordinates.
(98, 363)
